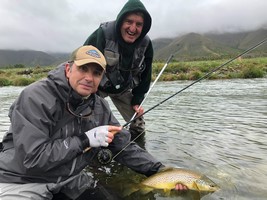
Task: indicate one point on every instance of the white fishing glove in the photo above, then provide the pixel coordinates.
(98, 136)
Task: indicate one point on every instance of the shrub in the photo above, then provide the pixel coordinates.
(23, 81)
(182, 76)
(252, 72)
(4, 82)
(169, 77)
(195, 75)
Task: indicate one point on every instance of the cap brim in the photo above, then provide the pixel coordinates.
(87, 61)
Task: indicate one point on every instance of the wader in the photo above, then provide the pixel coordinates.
(122, 102)
(72, 188)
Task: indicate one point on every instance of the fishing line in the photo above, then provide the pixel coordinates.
(157, 78)
(201, 78)
(104, 156)
(198, 80)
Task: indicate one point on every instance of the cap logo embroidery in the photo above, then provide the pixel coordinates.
(93, 53)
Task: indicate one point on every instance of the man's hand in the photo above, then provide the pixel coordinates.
(138, 109)
(102, 135)
(180, 187)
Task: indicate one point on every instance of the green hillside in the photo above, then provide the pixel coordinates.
(188, 47)
(195, 46)
(25, 57)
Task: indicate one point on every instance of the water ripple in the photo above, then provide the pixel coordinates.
(215, 127)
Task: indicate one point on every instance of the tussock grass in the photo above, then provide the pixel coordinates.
(191, 70)
(22, 76)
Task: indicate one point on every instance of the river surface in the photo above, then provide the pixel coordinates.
(216, 127)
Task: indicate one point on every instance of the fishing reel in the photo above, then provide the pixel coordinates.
(104, 156)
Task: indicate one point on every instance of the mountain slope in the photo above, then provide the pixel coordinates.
(194, 46)
(25, 57)
(253, 38)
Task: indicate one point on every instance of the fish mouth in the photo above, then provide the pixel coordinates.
(215, 188)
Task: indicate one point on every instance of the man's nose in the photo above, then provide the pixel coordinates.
(89, 75)
(133, 27)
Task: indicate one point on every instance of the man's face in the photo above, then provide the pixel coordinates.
(84, 79)
(132, 27)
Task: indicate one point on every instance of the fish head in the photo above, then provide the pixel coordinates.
(204, 184)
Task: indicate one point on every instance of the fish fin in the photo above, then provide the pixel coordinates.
(146, 190)
(167, 192)
(129, 190)
(196, 195)
(195, 187)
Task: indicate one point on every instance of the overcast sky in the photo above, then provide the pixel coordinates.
(64, 25)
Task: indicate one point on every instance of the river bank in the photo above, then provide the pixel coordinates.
(190, 70)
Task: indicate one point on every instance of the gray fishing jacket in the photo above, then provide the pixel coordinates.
(44, 142)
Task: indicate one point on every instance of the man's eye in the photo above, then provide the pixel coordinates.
(83, 68)
(128, 21)
(139, 25)
(97, 73)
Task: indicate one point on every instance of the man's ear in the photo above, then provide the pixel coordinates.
(67, 69)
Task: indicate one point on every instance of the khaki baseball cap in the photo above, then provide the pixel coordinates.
(88, 54)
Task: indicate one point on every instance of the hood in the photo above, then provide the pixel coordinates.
(58, 77)
(133, 6)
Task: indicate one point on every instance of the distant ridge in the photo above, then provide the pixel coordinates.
(25, 57)
(194, 46)
(191, 46)
(30, 58)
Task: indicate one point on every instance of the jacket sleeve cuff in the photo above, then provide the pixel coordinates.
(84, 141)
(137, 100)
(156, 168)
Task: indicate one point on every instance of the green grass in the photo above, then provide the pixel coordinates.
(22, 76)
(240, 68)
(193, 70)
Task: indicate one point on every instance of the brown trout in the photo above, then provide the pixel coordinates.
(167, 179)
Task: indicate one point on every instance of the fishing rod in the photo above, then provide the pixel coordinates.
(201, 78)
(198, 80)
(161, 71)
(105, 157)
(133, 117)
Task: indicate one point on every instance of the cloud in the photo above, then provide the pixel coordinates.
(63, 25)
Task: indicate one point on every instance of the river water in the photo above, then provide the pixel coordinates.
(216, 127)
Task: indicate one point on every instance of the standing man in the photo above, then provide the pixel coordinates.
(129, 54)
